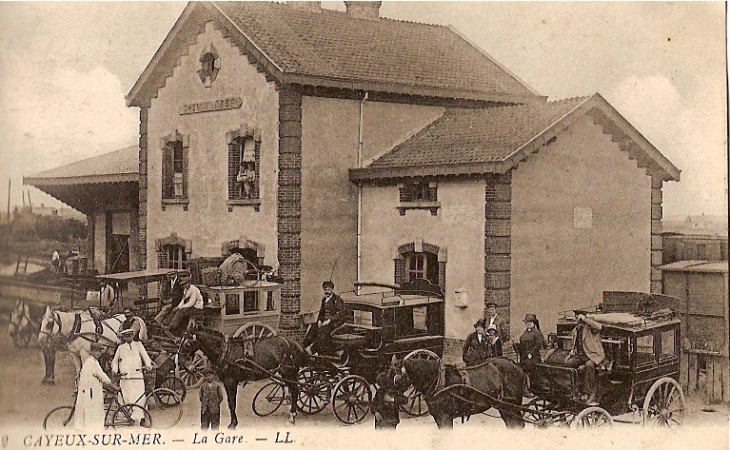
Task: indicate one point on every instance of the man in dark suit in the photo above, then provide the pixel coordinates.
(330, 317)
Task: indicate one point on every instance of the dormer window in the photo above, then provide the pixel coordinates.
(418, 194)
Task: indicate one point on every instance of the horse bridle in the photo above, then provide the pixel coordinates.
(56, 321)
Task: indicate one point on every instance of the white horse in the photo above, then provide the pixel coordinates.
(78, 330)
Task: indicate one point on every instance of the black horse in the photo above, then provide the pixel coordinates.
(240, 360)
(450, 392)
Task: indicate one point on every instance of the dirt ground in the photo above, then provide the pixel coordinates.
(24, 403)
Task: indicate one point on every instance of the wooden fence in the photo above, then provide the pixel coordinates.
(705, 373)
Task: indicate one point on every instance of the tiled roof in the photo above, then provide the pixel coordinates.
(495, 139)
(117, 166)
(469, 136)
(334, 49)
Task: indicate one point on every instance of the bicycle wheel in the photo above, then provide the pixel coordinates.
(175, 384)
(165, 408)
(131, 415)
(61, 418)
(269, 398)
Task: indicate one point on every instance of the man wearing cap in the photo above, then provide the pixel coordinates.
(89, 413)
(329, 318)
(492, 318)
(135, 323)
(476, 348)
(192, 301)
(587, 351)
(129, 361)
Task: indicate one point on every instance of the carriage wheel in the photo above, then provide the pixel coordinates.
(428, 355)
(269, 398)
(60, 418)
(535, 407)
(165, 407)
(351, 399)
(125, 416)
(664, 404)
(22, 339)
(314, 395)
(176, 385)
(255, 331)
(593, 417)
(416, 405)
(190, 372)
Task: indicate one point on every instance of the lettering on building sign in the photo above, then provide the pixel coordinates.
(214, 105)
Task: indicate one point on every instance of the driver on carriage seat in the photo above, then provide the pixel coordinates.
(191, 303)
(329, 318)
(587, 352)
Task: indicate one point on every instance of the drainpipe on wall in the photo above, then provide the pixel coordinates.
(359, 190)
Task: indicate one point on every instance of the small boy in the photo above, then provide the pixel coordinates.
(211, 397)
(385, 405)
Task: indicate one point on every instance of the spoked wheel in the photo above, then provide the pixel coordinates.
(269, 398)
(255, 331)
(536, 415)
(165, 407)
(314, 394)
(416, 405)
(59, 419)
(174, 384)
(22, 339)
(593, 417)
(351, 399)
(664, 404)
(191, 371)
(131, 415)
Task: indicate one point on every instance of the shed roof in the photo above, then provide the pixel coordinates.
(496, 139)
(697, 266)
(329, 48)
(114, 167)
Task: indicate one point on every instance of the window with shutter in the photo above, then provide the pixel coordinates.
(174, 170)
(418, 194)
(244, 168)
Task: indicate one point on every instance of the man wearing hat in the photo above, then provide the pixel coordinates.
(476, 348)
(587, 351)
(492, 318)
(329, 318)
(192, 301)
(89, 413)
(129, 361)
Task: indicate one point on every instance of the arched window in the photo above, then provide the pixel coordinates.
(173, 252)
(420, 261)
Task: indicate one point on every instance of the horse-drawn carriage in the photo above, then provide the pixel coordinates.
(381, 322)
(640, 374)
(641, 339)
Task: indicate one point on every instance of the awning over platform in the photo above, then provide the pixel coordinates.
(93, 184)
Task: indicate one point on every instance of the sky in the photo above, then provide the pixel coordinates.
(66, 67)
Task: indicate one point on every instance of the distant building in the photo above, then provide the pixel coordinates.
(706, 225)
(64, 213)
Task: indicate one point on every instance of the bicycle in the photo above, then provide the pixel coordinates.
(166, 408)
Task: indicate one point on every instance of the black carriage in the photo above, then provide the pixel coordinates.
(381, 322)
(640, 374)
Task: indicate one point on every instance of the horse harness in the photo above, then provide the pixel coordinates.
(75, 331)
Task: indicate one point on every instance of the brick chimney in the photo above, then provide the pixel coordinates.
(363, 10)
(306, 6)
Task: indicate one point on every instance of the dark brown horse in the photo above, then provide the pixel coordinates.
(240, 360)
(450, 392)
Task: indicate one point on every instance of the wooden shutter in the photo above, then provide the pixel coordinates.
(167, 186)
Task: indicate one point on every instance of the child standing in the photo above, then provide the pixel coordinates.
(495, 343)
(211, 397)
(385, 405)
